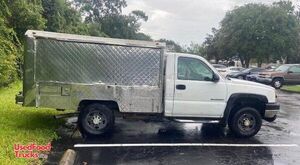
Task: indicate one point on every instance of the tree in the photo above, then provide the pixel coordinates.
(25, 15)
(95, 10)
(107, 16)
(197, 49)
(172, 45)
(8, 66)
(8, 51)
(261, 32)
(124, 26)
(16, 17)
(62, 17)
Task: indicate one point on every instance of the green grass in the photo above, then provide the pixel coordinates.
(23, 125)
(292, 88)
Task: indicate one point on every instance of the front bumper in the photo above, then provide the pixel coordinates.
(272, 109)
(264, 80)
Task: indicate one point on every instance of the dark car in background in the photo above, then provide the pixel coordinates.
(244, 73)
(252, 77)
(284, 74)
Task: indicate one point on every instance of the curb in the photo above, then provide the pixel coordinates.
(68, 158)
(285, 90)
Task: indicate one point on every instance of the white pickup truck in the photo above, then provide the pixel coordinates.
(103, 78)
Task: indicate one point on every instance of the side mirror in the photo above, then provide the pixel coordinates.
(215, 78)
(290, 71)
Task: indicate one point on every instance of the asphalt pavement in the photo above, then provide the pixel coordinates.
(274, 144)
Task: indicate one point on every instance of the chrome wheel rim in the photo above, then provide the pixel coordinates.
(277, 84)
(247, 123)
(96, 120)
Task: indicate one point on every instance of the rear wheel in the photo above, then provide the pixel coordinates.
(95, 119)
(277, 83)
(246, 122)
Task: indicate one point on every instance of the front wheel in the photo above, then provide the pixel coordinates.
(246, 122)
(277, 83)
(95, 119)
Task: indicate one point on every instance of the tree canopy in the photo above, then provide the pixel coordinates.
(256, 31)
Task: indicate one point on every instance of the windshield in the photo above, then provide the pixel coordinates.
(282, 68)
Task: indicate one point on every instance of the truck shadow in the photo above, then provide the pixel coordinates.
(38, 120)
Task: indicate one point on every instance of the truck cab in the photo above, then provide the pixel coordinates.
(195, 90)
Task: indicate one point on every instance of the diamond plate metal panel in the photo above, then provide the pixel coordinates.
(62, 61)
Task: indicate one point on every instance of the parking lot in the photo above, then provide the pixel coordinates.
(276, 143)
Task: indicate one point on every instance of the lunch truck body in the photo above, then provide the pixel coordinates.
(104, 77)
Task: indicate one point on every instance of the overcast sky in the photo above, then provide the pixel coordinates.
(185, 21)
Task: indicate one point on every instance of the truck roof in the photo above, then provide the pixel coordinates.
(186, 55)
(91, 39)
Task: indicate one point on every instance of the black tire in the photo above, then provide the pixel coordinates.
(277, 83)
(95, 119)
(271, 119)
(246, 122)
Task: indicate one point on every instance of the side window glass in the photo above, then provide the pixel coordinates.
(295, 69)
(182, 70)
(193, 69)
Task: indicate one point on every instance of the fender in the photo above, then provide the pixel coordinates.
(278, 77)
(235, 97)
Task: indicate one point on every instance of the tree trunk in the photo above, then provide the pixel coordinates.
(247, 62)
(287, 61)
(242, 61)
(217, 60)
(259, 63)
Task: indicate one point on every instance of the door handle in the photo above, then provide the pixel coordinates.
(180, 87)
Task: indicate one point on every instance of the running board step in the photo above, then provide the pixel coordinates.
(196, 121)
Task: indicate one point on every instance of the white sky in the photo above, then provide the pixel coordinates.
(185, 21)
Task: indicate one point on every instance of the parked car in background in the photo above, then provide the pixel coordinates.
(243, 74)
(252, 77)
(220, 68)
(271, 67)
(284, 74)
(231, 70)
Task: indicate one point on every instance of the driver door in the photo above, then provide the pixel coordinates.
(196, 94)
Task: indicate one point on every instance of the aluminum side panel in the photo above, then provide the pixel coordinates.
(60, 74)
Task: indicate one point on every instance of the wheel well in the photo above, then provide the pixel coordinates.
(277, 78)
(255, 103)
(113, 105)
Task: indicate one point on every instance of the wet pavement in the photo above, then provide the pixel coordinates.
(285, 130)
